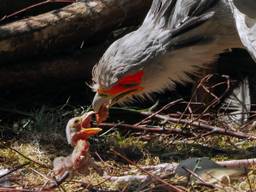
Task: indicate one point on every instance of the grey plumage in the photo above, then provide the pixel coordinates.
(177, 38)
(246, 25)
(156, 35)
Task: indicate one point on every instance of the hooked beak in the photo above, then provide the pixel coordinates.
(101, 104)
(100, 101)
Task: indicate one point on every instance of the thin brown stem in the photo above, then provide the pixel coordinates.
(170, 186)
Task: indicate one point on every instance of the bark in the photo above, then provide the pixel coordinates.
(67, 27)
(26, 8)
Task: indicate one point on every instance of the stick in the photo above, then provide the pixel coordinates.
(170, 186)
(243, 163)
(14, 169)
(160, 130)
(159, 111)
(198, 124)
(67, 27)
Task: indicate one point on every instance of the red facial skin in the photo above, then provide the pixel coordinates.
(124, 85)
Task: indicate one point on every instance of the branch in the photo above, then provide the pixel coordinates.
(156, 178)
(14, 169)
(243, 163)
(169, 168)
(200, 125)
(160, 130)
(67, 27)
(32, 6)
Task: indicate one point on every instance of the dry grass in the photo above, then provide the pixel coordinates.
(37, 137)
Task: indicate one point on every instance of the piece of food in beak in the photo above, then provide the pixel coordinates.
(100, 106)
(84, 134)
(102, 114)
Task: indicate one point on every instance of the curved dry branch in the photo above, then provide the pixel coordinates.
(66, 27)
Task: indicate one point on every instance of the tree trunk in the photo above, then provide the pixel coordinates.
(67, 27)
(25, 8)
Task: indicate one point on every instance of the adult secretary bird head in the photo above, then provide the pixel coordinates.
(176, 38)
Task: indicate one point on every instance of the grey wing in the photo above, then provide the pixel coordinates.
(172, 13)
(246, 28)
(188, 8)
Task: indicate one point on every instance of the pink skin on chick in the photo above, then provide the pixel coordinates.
(77, 133)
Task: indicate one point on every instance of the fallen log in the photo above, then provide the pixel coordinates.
(66, 27)
(26, 8)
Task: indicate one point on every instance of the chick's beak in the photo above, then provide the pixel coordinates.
(100, 101)
(84, 134)
(91, 131)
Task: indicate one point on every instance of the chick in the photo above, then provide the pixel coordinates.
(77, 133)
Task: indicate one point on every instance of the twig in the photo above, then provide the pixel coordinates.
(24, 156)
(161, 130)
(14, 169)
(167, 169)
(199, 178)
(243, 163)
(110, 129)
(201, 125)
(249, 182)
(212, 129)
(216, 99)
(41, 174)
(34, 6)
(58, 182)
(13, 189)
(170, 186)
(159, 111)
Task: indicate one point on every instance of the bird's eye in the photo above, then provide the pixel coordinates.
(122, 95)
(129, 85)
(103, 95)
(77, 121)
